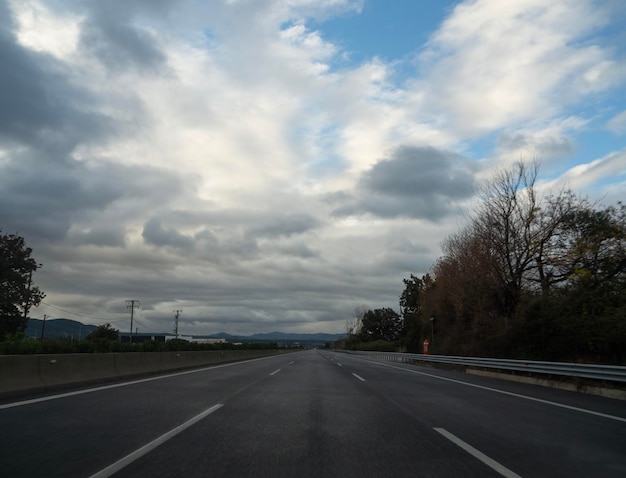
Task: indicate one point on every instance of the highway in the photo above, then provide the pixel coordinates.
(313, 413)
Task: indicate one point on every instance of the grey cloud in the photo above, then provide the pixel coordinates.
(120, 46)
(232, 246)
(236, 232)
(207, 238)
(233, 235)
(406, 253)
(549, 146)
(44, 196)
(300, 250)
(294, 249)
(241, 247)
(43, 118)
(102, 236)
(110, 35)
(156, 234)
(286, 225)
(392, 207)
(23, 95)
(414, 182)
(43, 199)
(419, 172)
(39, 106)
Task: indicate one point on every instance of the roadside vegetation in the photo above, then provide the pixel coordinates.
(18, 344)
(531, 276)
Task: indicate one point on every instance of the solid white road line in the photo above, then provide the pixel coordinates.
(360, 378)
(124, 384)
(504, 392)
(490, 462)
(275, 372)
(128, 459)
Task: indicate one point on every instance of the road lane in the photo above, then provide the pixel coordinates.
(317, 413)
(311, 419)
(533, 436)
(147, 448)
(80, 434)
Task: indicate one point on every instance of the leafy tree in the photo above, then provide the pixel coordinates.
(381, 324)
(104, 333)
(594, 247)
(463, 296)
(17, 292)
(411, 308)
(410, 297)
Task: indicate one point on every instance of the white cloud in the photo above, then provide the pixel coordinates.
(617, 124)
(40, 29)
(548, 141)
(590, 177)
(494, 64)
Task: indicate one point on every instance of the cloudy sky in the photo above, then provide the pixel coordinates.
(272, 164)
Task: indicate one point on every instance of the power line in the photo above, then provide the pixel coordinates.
(137, 321)
(81, 315)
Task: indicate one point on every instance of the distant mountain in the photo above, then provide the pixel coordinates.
(77, 330)
(221, 335)
(58, 328)
(281, 336)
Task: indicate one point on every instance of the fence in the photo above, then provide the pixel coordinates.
(614, 373)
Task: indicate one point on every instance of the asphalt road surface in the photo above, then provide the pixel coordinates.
(313, 414)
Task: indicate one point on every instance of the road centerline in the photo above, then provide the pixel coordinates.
(359, 377)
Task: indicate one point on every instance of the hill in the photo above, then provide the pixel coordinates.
(58, 328)
(77, 330)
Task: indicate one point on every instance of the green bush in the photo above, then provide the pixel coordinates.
(15, 344)
(375, 346)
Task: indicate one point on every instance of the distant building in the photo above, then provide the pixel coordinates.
(140, 338)
(143, 337)
(208, 341)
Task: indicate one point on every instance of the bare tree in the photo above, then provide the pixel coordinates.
(354, 324)
(505, 225)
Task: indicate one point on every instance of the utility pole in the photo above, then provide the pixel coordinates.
(27, 306)
(43, 326)
(132, 303)
(30, 283)
(177, 314)
(432, 331)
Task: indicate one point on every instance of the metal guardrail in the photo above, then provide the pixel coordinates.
(614, 373)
